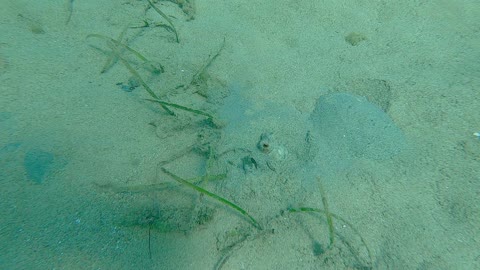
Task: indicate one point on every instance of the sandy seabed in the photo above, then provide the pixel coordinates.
(83, 154)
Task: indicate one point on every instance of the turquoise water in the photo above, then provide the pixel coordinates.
(312, 135)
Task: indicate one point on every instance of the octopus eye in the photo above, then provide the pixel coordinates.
(264, 144)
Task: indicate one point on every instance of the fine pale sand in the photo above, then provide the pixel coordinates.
(82, 152)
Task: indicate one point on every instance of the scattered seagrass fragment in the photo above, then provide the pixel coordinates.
(139, 79)
(214, 196)
(200, 75)
(112, 58)
(321, 211)
(187, 6)
(173, 105)
(147, 188)
(166, 18)
(327, 213)
(147, 63)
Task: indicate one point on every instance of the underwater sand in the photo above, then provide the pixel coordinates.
(81, 152)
